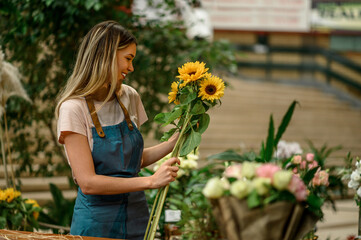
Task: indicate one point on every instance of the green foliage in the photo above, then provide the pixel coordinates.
(16, 212)
(58, 212)
(266, 154)
(42, 36)
(272, 140)
(185, 194)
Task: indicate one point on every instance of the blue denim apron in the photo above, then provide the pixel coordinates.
(117, 152)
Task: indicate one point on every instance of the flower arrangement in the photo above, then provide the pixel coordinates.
(292, 190)
(262, 184)
(17, 213)
(354, 182)
(277, 186)
(193, 94)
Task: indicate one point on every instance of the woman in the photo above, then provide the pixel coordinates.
(98, 121)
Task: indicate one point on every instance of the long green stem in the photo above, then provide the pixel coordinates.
(151, 218)
(9, 152)
(155, 216)
(4, 158)
(359, 222)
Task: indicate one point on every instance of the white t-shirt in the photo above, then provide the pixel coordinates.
(74, 115)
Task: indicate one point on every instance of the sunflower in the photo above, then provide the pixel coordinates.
(211, 88)
(192, 71)
(173, 94)
(35, 204)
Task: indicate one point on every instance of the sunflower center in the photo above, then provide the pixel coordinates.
(192, 73)
(210, 89)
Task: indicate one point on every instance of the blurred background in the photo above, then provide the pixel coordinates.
(269, 53)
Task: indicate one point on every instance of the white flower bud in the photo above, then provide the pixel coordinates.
(213, 188)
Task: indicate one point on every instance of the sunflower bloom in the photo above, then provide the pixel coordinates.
(211, 88)
(192, 71)
(35, 204)
(2, 195)
(172, 96)
(10, 194)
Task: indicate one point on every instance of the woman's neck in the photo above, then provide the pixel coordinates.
(101, 94)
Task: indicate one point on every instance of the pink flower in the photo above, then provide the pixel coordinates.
(303, 164)
(310, 157)
(267, 170)
(320, 178)
(312, 165)
(233, 171)
(297, 159)
(298, 188)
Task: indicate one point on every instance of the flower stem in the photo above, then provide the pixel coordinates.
(162, 192)
(359, 221)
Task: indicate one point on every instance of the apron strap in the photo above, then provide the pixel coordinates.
(94, 116)
(126, 114)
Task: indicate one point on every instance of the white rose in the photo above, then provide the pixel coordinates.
(281, 179)
(192, 164)
(239, 189)
(358, 164)
(262, 185)
(180, 173)
(192, 156)
(249, 169)
(355, 176)
(225, 183)
(353, 184)
(213, 188)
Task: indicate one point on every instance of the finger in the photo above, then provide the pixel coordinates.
(175, 169)
(173, 160)
(176, 160)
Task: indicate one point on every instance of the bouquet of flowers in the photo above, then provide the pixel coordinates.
(257, 192)
(17, 213)
(354, 177)
(250, 196)
(193, 94)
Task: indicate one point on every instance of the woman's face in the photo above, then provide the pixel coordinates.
(125, 58)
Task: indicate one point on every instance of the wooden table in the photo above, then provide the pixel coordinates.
(22, 235)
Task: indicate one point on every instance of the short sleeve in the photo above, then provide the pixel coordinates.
(132, 101)
(71, 119)
(142, 115)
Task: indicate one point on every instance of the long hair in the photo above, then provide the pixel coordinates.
(96, 63)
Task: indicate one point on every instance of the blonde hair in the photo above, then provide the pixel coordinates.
(96, 63)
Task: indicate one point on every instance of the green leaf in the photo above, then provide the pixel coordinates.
(309, 175)
(176, 113)
(269, 144)
(253, 200)
(315, 201)
(203, 123)
(16, 219)
(198, 108)
(162, 117)
(57, 196)
(168, 134)
(2, 222)
(192, 141)
(285, 121)
(228, 155)
(187, 98)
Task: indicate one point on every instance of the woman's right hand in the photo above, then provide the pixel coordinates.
(166, 173)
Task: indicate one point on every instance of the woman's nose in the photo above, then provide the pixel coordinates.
(130, 67)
